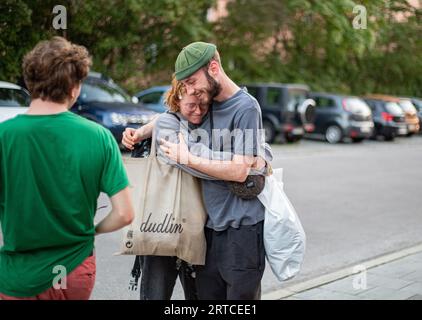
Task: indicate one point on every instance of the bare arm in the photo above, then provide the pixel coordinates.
(121, 214)
(132, 136)
(236, 169)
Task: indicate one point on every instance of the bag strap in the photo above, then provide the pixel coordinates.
(153, 151)
(211, 119)
(174, 114)
(136, 273)
(212, 126)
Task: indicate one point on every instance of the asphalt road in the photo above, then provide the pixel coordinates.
(355, 201)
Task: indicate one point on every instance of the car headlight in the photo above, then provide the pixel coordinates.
(118, 118)
(123, 119)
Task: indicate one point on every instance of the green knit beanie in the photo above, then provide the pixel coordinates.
(192, 58)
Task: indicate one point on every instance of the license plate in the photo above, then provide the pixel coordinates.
(402, 131)
(297, 131)
(365, 129)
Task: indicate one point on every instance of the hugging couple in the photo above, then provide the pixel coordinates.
(204, 102)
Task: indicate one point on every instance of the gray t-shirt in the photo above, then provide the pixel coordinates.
(237, 128)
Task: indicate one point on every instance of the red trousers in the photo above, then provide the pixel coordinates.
(79, 283)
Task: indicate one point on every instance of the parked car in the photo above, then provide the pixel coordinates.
(338, 117)
(418, 105)
(14, 100)
(153, 98)
(411, 115)
(389, 119)
(286, 109)
(104, 102)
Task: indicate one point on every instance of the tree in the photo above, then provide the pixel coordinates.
(135, 41)
(314, 42)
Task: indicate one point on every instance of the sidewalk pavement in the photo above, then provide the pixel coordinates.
(396, 280)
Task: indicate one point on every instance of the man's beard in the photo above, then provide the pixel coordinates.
(213, 90)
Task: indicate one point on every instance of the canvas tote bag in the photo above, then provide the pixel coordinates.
(169, 211)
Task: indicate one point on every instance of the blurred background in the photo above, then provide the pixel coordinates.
(135, 42)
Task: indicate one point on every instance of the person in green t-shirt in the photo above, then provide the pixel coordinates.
(53, 166)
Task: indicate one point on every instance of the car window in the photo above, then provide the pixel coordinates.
(296, 97)
(407, 106)
(253, 91)
(102, 92)
(371, 104)
(356, 105)
(417, 104)
(14, 98)
(323, 102)
(273, 96)
(393, 108)
(151, 98)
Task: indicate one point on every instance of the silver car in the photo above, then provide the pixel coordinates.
(14, 100)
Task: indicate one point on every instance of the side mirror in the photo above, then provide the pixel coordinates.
(135, 99)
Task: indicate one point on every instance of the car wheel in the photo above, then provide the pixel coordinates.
(356, 140)
(269, 131)
(389, 137)
(333, 134)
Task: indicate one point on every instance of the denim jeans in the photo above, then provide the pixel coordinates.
(159, 276)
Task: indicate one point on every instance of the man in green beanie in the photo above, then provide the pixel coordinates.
(235, 259)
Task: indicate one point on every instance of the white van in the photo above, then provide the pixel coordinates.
(14, 100)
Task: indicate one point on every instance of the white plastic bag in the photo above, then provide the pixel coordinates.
(284, 237)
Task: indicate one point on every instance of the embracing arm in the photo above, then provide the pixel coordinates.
(236, 169)
(132, 136)
(166, 129)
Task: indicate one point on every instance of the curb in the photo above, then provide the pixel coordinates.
(337, 275)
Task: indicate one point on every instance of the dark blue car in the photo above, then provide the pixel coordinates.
(104, 102)
(153, 98)
(389, 118)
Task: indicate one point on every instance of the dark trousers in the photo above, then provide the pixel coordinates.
(234, 265)
(159, 276)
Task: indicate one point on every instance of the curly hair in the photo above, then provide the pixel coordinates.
(174, 95)
(54, 67)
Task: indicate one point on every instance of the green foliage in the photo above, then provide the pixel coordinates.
(314, 42)
(136, 41)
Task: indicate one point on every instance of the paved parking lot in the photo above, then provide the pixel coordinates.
(397, 280)
(356, 202)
